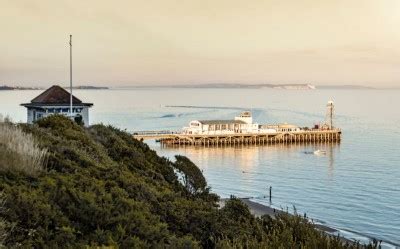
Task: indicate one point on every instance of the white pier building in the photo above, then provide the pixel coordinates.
(240, 124)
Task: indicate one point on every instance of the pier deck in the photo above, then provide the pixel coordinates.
(333, 135)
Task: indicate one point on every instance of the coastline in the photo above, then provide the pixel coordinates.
(259, 210)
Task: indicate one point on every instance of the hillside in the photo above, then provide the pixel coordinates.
(100, 187)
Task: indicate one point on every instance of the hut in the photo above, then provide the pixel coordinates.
(56, 100)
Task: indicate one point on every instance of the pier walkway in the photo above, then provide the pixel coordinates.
(176, 138)
(157, 135)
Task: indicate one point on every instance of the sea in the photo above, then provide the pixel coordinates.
(354, 187)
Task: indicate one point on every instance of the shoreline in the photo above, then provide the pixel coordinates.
(259, 210)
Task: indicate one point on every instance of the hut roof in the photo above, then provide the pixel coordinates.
(55, 95)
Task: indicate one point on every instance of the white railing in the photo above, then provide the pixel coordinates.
(154, 133)
(227, 132)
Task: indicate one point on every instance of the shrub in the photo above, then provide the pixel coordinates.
(3, 223)
(19, 151)
(192, 178)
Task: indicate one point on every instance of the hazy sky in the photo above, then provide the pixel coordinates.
(201, 41)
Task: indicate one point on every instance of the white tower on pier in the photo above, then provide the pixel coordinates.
(330, 111)
(245, 117)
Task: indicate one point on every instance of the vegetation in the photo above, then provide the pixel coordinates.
(4, 226)
(19, 151)
(103, 188)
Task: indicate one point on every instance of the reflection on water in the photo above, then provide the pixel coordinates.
(248, 156)
(331, 160)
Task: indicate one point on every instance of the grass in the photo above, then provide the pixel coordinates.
(19, 151)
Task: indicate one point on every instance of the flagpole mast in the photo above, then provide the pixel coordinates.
(70, 74)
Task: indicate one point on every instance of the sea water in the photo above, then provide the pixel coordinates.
(355, 187)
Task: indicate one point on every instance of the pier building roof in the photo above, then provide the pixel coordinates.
(55, 95)
(287, 126)
(213, 122)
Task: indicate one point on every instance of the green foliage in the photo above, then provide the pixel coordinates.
(79, 120)
(103, 188)
(4, 225)
(192, 177)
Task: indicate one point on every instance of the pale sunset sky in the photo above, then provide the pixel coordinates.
(143, 42)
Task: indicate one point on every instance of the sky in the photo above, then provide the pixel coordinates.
(155, 42)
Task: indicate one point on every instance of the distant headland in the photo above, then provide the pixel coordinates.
(235, 85)
(89, 87)
(2, 88)
(306, 86)
(12, 88)
(348, 87)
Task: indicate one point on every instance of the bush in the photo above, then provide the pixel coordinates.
(4, 226)
(192, 178)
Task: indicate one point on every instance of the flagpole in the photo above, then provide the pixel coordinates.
(70, 74)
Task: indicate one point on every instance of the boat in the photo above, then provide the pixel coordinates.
(319, 152)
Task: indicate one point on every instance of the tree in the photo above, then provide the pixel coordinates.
(192, 178)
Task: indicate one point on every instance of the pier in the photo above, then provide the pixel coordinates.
(303, 136)
(242, 130)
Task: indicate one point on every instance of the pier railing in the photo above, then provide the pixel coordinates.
(162, 132)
